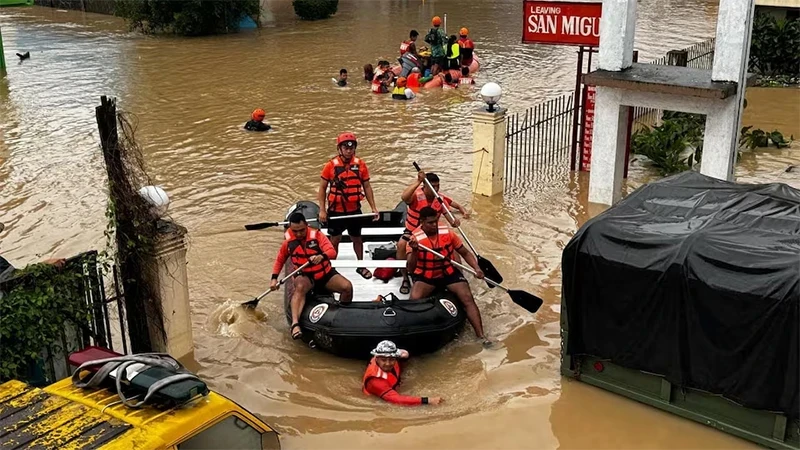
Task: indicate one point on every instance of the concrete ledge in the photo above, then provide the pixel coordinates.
(673, 80)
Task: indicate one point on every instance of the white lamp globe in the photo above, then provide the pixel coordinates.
(157, 197)
(491, 93)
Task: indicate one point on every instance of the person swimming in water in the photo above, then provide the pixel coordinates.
(342, 81)
(256, 122)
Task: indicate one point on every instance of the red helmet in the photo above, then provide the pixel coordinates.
(344, 137)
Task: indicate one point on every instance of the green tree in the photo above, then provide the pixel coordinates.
(775, 46)
(187, 17)
(315, 9)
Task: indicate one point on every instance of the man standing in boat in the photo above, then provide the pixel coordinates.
(417, 196)
(432, 273)
(346, 180)
(304, 244)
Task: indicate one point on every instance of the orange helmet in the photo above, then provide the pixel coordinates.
(346, 137)
(401, 82)
(464, 31)
(436, 21)
(258, 114)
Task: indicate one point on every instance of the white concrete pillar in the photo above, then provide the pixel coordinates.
(489, 145)
(171, 280)
(721, 141)
(617, 31)
(608, 146)
(732, 46)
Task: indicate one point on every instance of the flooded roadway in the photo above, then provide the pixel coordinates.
(191, 97)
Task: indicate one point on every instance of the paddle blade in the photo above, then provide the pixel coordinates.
(526, 300)
(260, 226)
(489, 271)
(252, 303)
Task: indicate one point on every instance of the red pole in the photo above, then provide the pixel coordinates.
(576, 109)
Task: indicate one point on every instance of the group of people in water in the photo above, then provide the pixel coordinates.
(344, 184)
(447, 61)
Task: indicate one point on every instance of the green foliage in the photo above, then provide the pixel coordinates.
(666, 145)
(775, 47)
(315, 9)
(759, 138)
(187, 17)
(33, 313)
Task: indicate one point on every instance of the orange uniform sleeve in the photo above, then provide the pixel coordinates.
(363, 170)
(447, 200)
(382, 389)
(283, 255)
(456, 240)
(327, 171)
(326, 246)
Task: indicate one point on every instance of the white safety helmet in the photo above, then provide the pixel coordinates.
(387, 349)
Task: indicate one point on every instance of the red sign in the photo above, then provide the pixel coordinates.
(588, 128)
(561, 23)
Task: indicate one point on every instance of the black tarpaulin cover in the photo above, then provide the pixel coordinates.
(695, 279)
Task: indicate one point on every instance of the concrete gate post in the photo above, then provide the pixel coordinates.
(169, 258)
(489, 145)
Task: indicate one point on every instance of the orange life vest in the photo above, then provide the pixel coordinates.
(346, 189)
(374, 371)
(412, 215)
(300, 252)
(413, 81)
(428, 265)
(466, 80)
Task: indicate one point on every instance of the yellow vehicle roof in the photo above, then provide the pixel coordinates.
(61, 416)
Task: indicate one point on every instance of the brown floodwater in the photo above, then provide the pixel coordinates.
(191, 97)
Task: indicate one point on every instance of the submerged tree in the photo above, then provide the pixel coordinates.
(187, 17)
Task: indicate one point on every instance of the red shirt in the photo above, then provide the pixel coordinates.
(381, 388)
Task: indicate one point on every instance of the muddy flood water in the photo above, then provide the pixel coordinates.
(191, 97)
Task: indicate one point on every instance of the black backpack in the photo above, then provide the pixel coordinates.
(432, 37)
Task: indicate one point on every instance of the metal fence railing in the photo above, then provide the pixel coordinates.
(540, 136)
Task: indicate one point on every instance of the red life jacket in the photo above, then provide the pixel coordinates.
(374, 371)
(412, 215)
(428, 265)
(467, 47)
(346, 189)
(466, 80)
(300, 252)
(377, 86)
(404, 46)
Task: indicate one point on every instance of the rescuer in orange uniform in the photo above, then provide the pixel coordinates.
(431, 273)
(417, 196)
(346, 180)
(304, 244)
(383, 375)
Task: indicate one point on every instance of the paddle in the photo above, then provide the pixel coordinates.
(486, 266)
(524, 299)
(263, 225)
(254, 302)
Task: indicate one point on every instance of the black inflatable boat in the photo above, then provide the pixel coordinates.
(420, 326)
